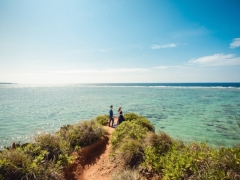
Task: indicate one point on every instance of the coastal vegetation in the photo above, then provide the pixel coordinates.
(158, 155)
(142, 153)
(102, 119)
(49, 154)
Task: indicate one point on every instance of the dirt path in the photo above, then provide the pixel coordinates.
(93, 162)
(102, 168)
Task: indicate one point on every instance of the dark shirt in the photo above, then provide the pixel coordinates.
(120, 117)
(111, 113)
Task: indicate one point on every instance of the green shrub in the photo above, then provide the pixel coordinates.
(28, 162)
(177, 163)
(15, 164)
(102, 119)
(131, 116)
(142, 121)
(230, 160)
(49, 154)
(89, 132)
(134, 143)
(82, 134)
(130, 152)
(220, 164)
(53, 144)
(194, 161)
(156, 146)
(161, 142)
(128, 140)
(127, 143)
(127, 130)
(126, 175)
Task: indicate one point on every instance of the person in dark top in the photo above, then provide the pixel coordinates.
(120, 116)
(111, 116)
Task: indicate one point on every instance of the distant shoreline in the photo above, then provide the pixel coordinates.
(161, 85)
(7, 83)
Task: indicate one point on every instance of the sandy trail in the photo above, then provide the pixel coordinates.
(93, 162)
(102, 168)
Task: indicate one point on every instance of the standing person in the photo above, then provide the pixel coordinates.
(111, 116)
(120, 116)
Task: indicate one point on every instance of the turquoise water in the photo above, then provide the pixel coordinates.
(186, 112)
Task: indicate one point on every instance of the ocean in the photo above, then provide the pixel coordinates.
(203, 112)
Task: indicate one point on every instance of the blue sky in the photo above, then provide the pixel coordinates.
(106, 41)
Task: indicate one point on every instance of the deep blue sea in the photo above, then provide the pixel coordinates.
(203, 112)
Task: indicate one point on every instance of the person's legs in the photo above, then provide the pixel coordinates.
(110, 122)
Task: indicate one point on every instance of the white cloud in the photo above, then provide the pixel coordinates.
(216, 60)
(235, 43)
(155, 46)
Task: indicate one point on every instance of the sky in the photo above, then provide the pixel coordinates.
(119, 41)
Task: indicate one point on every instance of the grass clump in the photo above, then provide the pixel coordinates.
(102, 119)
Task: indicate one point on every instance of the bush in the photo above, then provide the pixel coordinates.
(193, 161)
(131, 116)
(127, 143)
(126, 131)
(102, 119)
(220, 164)
(49, 154)
(171, 159)
(82, 134)
(128, 140)
(178, 163)
(53, 144)
(229, 159)
(161, 142)
(28, 162)
(126, 175)
(130, 153)
(156, 146)
(15, 164)
(142, 121)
